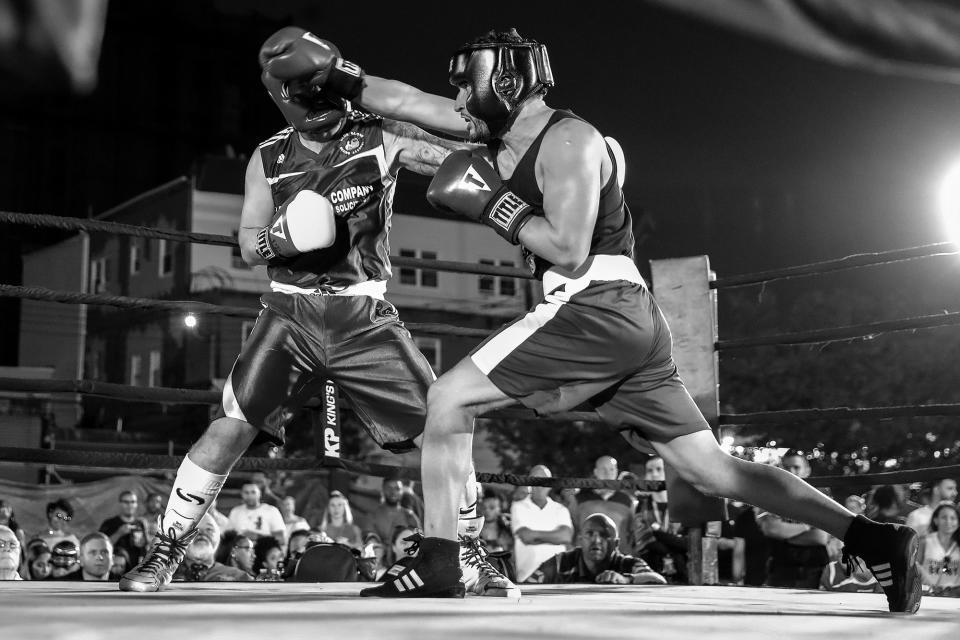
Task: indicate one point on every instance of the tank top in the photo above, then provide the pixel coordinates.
(943, 565)
(352, 173)
(613, 231)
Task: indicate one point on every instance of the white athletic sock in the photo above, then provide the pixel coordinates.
(193, 492)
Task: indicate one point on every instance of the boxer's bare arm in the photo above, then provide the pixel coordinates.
(257, 210)
(408, 146)
(400, 101)
(569, 168)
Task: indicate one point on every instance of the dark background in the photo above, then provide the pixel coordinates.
(753, 155)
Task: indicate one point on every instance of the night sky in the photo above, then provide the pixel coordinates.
(735, 148)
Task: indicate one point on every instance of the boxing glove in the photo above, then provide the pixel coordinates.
(305, 222)
(467, 185)
(309, 64)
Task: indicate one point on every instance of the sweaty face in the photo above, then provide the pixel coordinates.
(477, 130)
(597, 540)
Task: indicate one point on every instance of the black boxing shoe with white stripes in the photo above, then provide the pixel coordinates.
(156, 571)
(434, 573)
(890, 552)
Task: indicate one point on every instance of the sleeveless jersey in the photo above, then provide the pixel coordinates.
(352, 173)
(613, 231)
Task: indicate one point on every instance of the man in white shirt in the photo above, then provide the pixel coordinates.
(255, 519)
(941, 489)
(542, 527)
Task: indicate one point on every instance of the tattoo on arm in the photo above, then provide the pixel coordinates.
(420, 151)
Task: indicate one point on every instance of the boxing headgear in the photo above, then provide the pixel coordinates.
(501, 75)
(306, 109)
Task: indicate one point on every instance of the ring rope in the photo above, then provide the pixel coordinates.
(79, 224)
(838, 264)
(847, 332)
(171, 395)
(127, 302)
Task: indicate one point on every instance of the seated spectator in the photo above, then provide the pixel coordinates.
(939, 555)
(542, 527)
(337, 522)
(390, 513)
(855, 504)
(268, 559)
(798, 552)
(942, 489)
(199, 561)
(96, 558)
(38, 560)
(9, 520)
(886, 504)
(65, 559)
(120, 564)
(256, 519)
(296, 545)
(400, 546)
(59, 515)
(837, 577)
(293, 522)
(495, 533)
(616, 504)
(126, 530)
(372, 555)
(10, 556)
(596, 559)
(236, 551)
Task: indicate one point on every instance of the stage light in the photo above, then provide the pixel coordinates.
(190, 321)
(948, 202)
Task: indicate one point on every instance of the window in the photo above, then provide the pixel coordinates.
(408, 275)
(245, 328)
(134, 255)
(508, 286)
(419, 277)
(136, 370)
(428, 277)
(164, 258)
(430, 348)
(154, 374)
(485, 284)
(98, 275)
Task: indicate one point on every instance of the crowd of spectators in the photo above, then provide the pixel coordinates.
(535, 534)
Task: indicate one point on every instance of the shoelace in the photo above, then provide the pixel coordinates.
(478, 556)
(166, 549)
(414, 539)
(851, 562)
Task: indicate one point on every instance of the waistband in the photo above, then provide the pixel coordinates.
(595, 268)
(373, 288)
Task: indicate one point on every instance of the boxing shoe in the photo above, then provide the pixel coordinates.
(433, 573)
(156, 570)
(479, 576)
(890, 552)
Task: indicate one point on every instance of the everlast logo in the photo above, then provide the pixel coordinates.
(331, 441)
(506, 209)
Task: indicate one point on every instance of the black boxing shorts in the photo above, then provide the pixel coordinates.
(301, 340)
(598, 339)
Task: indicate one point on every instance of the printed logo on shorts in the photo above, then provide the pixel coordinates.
(507, 208)
(351, 143)
(471, 180)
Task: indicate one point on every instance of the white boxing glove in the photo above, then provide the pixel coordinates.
(305, 223)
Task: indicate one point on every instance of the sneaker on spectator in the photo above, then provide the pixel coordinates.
(434, 573)
(479, 576)
(156, 570)
(890, 552)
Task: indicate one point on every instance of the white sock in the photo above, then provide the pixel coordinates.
(470, 522)
(193, 492)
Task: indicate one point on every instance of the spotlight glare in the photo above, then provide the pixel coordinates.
(190, 321)
(948, 202)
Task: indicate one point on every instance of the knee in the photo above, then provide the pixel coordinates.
(709, 477)
(445, 406)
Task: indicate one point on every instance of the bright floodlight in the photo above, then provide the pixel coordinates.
(190, 321)
(949, 203)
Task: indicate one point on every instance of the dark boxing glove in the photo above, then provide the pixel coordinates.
(467, 185)
(309, 64)
(305, 223)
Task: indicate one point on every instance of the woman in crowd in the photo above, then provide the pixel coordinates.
(267, 558)
(38, 560)
(400, 547)
(338, 521)
(939, 555)
(236, 551)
